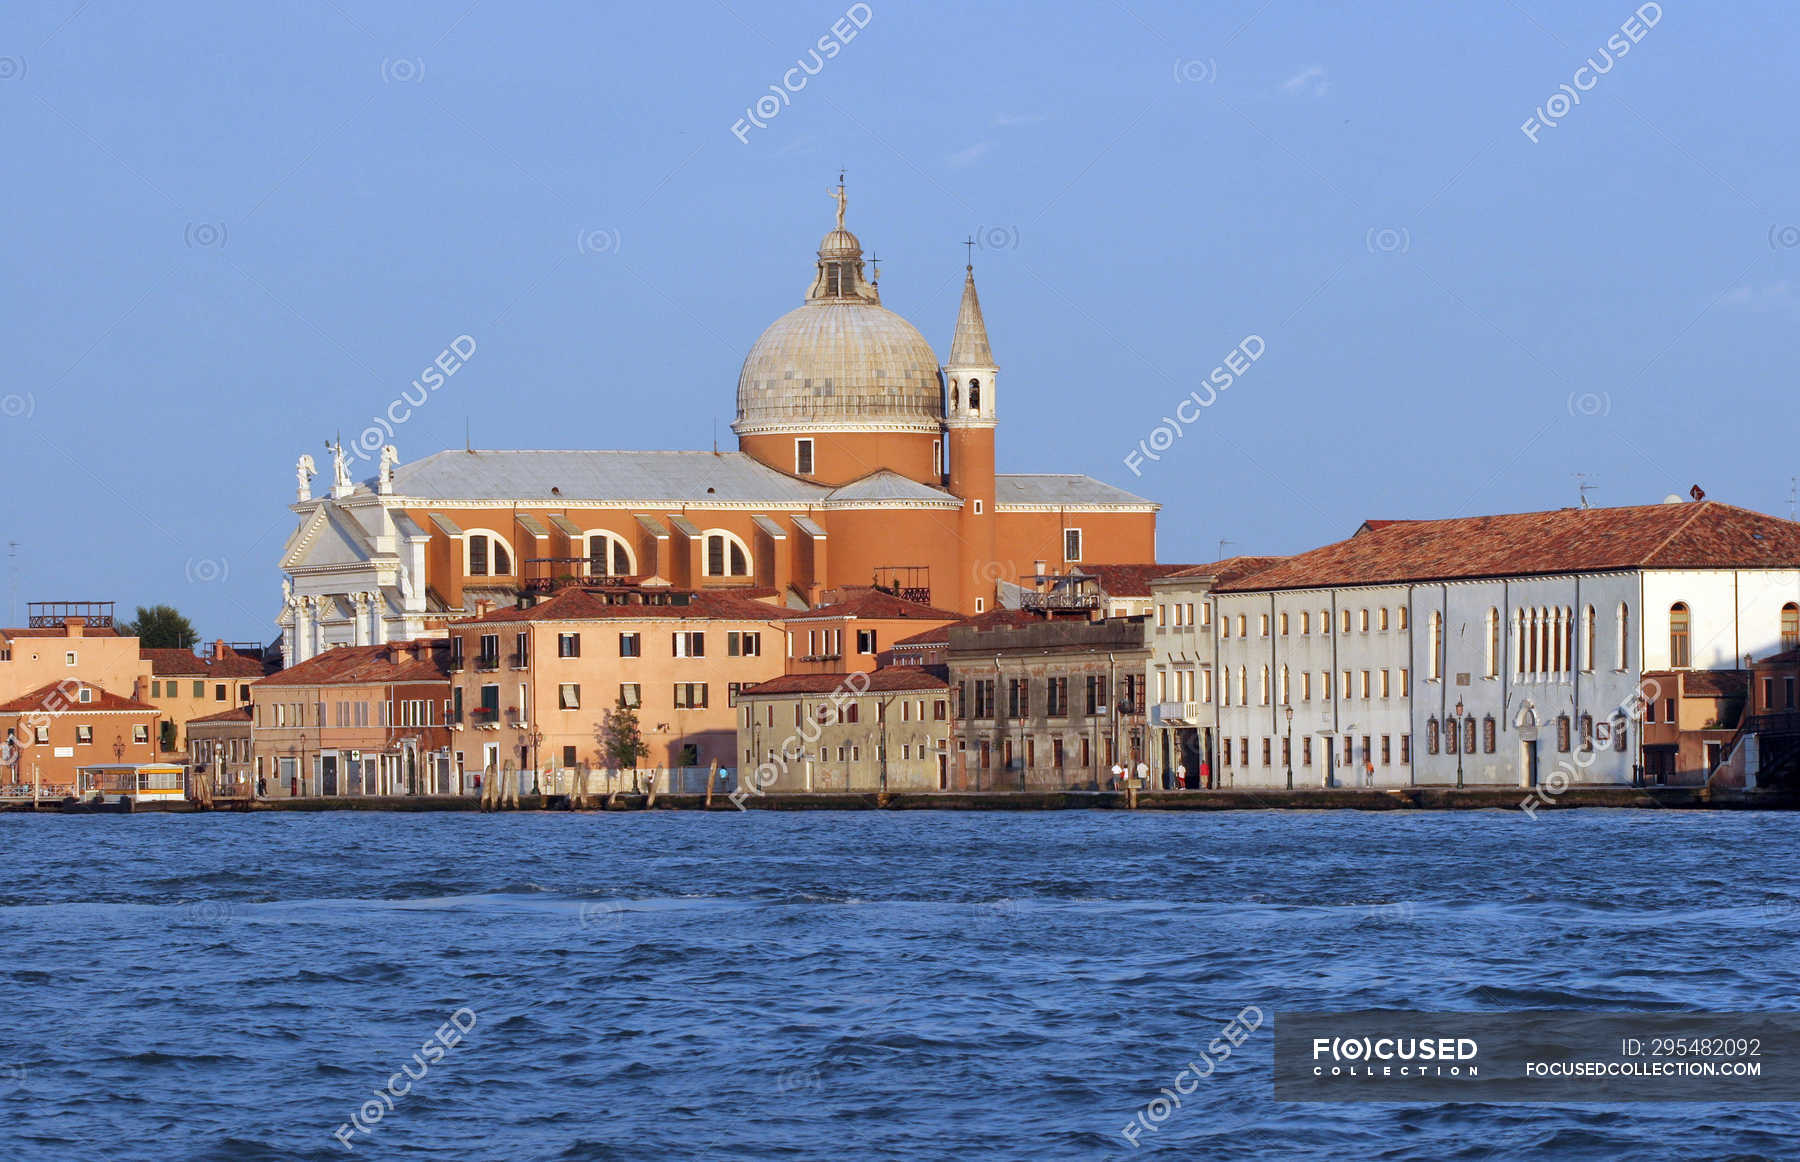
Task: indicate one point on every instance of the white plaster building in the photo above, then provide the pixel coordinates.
(1538, 626)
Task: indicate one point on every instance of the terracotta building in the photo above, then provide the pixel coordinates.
(862, 460)
(531, 685)
(52, 730)
(1689, 720)
(880, 730)
(185, 685)
(70, 640)
(357, 720)
(851, 633)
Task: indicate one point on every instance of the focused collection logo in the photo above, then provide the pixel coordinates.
(1395, 1056)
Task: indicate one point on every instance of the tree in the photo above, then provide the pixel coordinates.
(621, 742)
(161, 627)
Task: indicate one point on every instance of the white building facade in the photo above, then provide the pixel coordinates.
(1501, 679)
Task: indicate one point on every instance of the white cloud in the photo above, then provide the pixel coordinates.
(971, 155)
(1308, 82)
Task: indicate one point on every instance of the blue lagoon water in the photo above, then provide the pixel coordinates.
(905, 985)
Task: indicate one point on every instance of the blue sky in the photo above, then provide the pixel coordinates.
(235, 230)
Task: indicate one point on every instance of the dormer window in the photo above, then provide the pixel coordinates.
(86, 695)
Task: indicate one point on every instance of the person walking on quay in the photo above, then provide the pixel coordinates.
(1368, 771)
(1205, 775)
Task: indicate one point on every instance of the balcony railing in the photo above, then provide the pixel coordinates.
(1059, 601)
(485, 716)
(487, 662)
(518, 661)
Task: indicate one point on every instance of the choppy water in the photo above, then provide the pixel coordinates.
(905, 986)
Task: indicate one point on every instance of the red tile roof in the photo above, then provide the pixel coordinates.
(876, 603)
(1702, 535)
(59, 631)
(187, 664)
(1232, 568)
(235, 714)
(993, 617)
(889, 679)
(1716, 683)
(45, 699)
(1127, 580)
(581, 605)
(369, 665)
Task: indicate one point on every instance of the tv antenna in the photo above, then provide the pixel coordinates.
(1584, 485)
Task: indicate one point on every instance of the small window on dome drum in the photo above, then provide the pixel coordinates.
(803, 457)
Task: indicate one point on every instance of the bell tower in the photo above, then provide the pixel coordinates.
(969, 416)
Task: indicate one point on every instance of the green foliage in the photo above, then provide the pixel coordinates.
(161, 627)
(621, 741)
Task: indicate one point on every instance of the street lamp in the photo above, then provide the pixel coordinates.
(1287, 749)
(1460, 739)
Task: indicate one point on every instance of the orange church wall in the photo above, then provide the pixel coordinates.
(1024, 538)
(863, 541)
(840, 457)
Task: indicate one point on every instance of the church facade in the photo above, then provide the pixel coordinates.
(862, 461)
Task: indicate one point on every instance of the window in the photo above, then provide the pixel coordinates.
(1286, 690)
(1243, 688)
(1057, 698)
(156, 689)
(743, 644)
(726, 555)
(1281, 624)
(1488, 734)
(84, 734)
(1624, 621)
(487, 556)
(803, 457)
(69, 658)
(489, 658)
(865, 641)
(568, 696)
(1386, 750)
(1306, 685)
(568, 758)
(1436, 670)
(521, 651)
(1344, 621)
(85, 694)
(1071, 539)
(1406, 748)
(630, 645)
(1493, 643)
(568, 645)
(1431, 736)
(1790, 626)
(1400, 617)
(1263, 686)
(41, 734)
(1262, 625)
(1265, 752)
(1306, 751)
(140, 733)
(199, 688)
(632, 695)
(608, 556)
(1243, 628)
(688, 643)
(1405, 683)
(1243, 752)
(1096, 694)
(690, 695)
(1384, 684)
(974, 395)
(1324, 623)
(1305, 623)
(940, 709)
(1018, 698)
(1587, 732)
(1469, 735)
(1362, 621)
(1381, 623)
(1678, 636)
(977, 506)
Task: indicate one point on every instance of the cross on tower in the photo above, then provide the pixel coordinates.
(970, 243)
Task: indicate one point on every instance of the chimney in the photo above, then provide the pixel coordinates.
(218, 650)
(73, 626)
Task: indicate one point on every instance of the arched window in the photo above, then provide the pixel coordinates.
(974, 395)
(1436, 666)
(1493, 643)
(1264, 692)
(1286, 689)
(1790, 626)
(1325, 622)
(1587, 732)
(1624, 651)
(1588, 641)
(726, 556)
(1678, 636)
(1488, 732)
(1305, 622)
(1243, 686)
(1431, 736)
(1469, 735)
(1452, 735)
(1401, 614)
(955, 396)
(609, 556)
(487, 555)
(1562, 733)
(1225, 686)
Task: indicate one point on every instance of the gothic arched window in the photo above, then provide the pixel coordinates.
(974, 395)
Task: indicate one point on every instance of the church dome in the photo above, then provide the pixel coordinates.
(841, 359)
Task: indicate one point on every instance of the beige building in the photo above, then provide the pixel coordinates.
(185, 686)
(885, 730)
(67, 640)
(531, 685)
(219, 749)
